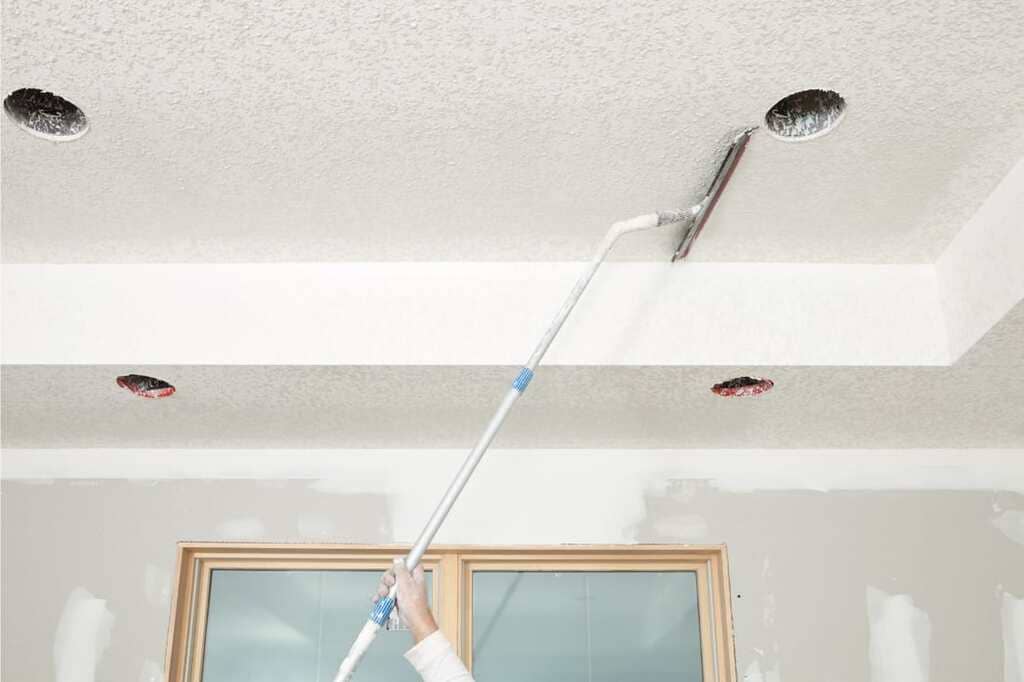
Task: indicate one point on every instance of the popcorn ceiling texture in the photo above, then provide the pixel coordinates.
(302, 130)
(566, 407)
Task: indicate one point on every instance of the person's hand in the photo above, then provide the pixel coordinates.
(413, 608)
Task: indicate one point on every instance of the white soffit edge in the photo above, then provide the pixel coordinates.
(372, 471)
(471, 314)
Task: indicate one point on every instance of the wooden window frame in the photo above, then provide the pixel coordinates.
(453, 567)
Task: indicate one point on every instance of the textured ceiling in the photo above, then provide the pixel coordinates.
(304, 130)
(566, 407)
(296, 130)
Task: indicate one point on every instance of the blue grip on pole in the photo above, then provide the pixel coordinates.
(523, 380)
(382, 610)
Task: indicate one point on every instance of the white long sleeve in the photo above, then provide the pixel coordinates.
(435, 660)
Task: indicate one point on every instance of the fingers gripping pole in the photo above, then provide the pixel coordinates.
(381, 611)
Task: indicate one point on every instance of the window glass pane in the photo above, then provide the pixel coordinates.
(296, 626)
(585, 626)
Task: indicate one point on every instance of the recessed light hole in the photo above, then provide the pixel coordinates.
(46, 115)
(145, 387)
(742, 386)
(805, 115)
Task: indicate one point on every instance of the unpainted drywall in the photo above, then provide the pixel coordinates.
(803, 563)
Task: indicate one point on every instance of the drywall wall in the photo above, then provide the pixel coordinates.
(825, 585)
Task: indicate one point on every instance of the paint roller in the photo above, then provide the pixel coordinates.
(692, 221)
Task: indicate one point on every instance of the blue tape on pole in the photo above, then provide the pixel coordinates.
(382, 610)
(523, 380)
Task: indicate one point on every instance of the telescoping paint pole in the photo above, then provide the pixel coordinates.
(694, 219)
(381, 611)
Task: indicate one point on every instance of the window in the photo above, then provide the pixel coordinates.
(570, 613)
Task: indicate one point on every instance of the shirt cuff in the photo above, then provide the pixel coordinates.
(431, 648)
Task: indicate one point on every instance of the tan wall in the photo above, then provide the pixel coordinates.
(801, 561)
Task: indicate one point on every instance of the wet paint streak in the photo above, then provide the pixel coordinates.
(742, 386)
(145, 387)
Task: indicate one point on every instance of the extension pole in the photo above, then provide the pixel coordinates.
(379, 614)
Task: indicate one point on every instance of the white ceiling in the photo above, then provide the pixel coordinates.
(294, 130)
(303, 130)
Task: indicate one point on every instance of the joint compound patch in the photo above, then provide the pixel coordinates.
(157, 585)
(753, 673)
(1011, 524)
(83, 635)
(768, 611)
(151, 672)
(1013, 638)
(899, 638)
(606, 510)
(682, 527)
(315, 526)
(241, 529)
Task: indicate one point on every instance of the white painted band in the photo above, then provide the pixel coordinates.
(371, 470)
(472, 314)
